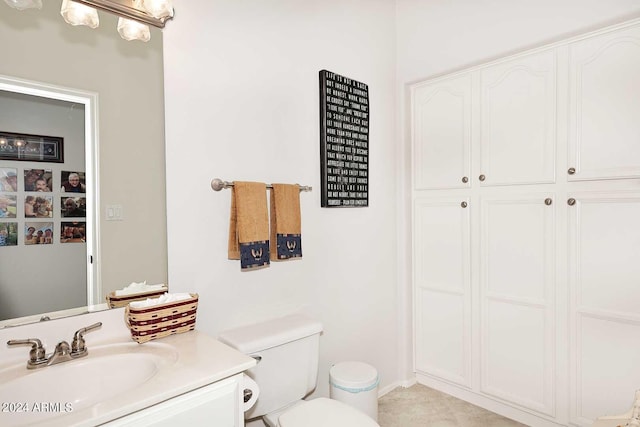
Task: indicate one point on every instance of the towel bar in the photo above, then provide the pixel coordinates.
(217, 184)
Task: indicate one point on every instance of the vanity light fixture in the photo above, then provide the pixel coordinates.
(24, 4)
(134, 15)
(149, 12)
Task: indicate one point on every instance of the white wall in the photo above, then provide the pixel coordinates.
(437, 36)
(241, 88)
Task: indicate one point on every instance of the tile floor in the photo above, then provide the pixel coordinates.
(420, 406)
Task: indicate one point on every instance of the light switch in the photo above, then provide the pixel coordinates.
(114, 213)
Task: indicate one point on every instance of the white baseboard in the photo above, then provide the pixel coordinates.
(406, 384)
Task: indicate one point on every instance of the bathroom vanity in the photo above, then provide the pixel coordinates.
(189, 379)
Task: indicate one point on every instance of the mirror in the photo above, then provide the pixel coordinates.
(120, 86)
(46, 234)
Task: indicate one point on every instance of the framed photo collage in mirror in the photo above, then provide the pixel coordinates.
(38, 208)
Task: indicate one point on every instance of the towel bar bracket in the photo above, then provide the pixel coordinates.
(217, 184)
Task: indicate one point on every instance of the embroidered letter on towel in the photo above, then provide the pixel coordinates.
(249, 225)
(286, 239)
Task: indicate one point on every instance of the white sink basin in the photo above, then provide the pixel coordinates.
(104, 373)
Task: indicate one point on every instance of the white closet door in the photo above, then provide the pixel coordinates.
(604, 280)
(518, 115)
(442, 289)
(517, 282)
(442, 134)
(604, 136)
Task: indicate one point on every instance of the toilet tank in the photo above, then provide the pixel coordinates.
(287, 349)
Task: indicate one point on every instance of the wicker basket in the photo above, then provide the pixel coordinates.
(121, 301)
(160, 321)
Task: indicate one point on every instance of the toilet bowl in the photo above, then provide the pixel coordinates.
(287, 351)
(323, 412)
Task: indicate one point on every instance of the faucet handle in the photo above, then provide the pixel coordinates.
(37, 354)
(78, 346)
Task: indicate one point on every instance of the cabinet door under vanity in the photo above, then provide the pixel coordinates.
(218, 404)
(527, 300)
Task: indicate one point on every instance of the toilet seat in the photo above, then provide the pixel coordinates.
(323, 412)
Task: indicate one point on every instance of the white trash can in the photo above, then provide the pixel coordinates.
(356, 384)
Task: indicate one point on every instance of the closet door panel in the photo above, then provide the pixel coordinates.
(442, 134)
(441, 342)
(607, 246)
(604, 266)
(515, 347)
(518, 114)
(517, 283)
(604, 134)
(607, 367)
(442, 289)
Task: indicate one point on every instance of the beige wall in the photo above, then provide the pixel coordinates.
(38, 45)
(56, 272)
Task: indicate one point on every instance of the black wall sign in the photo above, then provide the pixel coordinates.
(344, 141)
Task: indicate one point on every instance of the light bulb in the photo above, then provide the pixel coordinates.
(158, 8)
(79, 14)
(24, 4)
(133, 30)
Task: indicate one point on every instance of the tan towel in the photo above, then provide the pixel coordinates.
(249, 225)
(286, 239)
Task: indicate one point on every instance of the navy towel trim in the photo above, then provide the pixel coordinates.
(254, 254)
(289, 246)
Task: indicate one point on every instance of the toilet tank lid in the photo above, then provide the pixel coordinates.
(271, 333)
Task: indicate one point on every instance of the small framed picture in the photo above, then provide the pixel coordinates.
(8, 180)
(36, 206)
(43, 207)
(73, 182)
(73, 232)
(8, 234)
(40, 180)
(8, 205)
(38, 233)
(32, 148)
(73, 207)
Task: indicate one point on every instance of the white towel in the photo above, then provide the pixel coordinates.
(136, 288)
(164, 299)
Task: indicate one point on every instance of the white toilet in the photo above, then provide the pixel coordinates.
(287, 353)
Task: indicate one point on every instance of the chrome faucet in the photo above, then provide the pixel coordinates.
(62, 353)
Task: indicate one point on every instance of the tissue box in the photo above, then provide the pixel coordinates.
(162, 320)
(122, 300)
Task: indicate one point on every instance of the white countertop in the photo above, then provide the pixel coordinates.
(201, 360)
